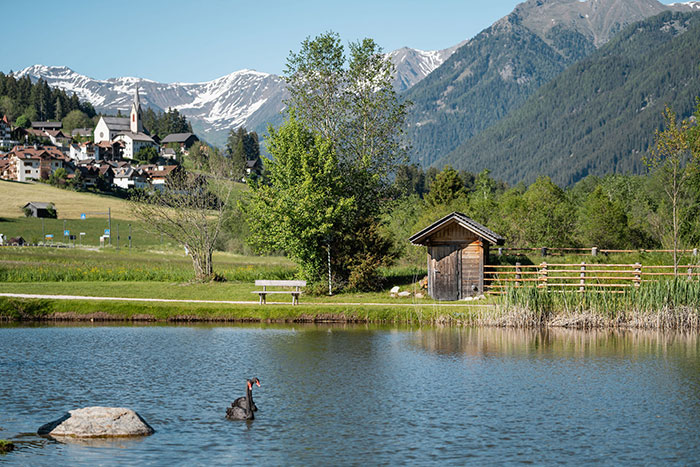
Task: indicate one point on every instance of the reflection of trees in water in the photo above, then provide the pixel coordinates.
(484, 341)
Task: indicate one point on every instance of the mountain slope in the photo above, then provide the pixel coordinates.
(502, 66)
(598, 116)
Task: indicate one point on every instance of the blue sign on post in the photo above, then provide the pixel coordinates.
(83, 216)
(107, 232)
(66, 233)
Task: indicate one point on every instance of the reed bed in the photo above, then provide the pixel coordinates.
(663, 304)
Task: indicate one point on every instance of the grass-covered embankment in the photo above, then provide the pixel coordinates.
(166, 275)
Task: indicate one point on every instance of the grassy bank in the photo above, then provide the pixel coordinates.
(15, 309)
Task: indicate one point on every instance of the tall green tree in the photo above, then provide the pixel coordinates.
(675, 159)
(242, 146)
(303, 205)
(602, 221)
(448, 186)
(350, 104)
(550, 217)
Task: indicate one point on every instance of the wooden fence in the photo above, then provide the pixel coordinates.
(594, 251)
(581, 277)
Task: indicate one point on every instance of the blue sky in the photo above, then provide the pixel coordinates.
(200, 40)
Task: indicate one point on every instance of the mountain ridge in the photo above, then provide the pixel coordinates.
(497, 70)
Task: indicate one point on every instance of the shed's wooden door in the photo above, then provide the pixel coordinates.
(473, 269)
(445, 272)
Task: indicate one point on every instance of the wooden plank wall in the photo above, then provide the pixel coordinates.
(452, 233)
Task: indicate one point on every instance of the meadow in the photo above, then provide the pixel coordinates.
(69, 204)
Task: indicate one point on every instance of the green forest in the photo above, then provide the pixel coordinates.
(22, 100)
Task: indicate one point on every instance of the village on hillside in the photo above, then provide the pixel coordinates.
(103, 157)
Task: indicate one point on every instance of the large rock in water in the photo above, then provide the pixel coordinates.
(98, 422)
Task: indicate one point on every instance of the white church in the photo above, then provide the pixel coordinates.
(128, 131)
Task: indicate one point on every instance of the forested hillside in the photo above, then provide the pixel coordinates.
(496, 71)
(599, 116)
(481, 82)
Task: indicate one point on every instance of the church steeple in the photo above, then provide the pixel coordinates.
(135, 117)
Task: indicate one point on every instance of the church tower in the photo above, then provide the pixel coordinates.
(135, 118)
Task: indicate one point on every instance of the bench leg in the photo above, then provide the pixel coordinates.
(263, 299)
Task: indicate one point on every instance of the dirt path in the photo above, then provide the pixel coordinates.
(227, 302)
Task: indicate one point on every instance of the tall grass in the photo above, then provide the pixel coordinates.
(671, 303)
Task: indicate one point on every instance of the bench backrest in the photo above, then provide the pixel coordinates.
(273, 283)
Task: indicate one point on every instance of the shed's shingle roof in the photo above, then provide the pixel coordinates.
(464, 221)
(38, 205)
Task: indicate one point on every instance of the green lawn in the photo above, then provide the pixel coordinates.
(40, 264)
(34, 230)
(234, 291)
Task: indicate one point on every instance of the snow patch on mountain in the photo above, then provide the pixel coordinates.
(412, 65)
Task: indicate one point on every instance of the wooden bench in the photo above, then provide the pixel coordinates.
(266, 283)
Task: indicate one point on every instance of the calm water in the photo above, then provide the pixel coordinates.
(357, 395)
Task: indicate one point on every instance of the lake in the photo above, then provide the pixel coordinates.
(356, 394)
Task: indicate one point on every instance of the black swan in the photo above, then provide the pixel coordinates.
(243, 407)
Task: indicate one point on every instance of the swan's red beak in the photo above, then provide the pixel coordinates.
(258, 383)
(249, 386)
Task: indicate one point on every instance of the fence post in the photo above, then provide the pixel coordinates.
(582, 276)
(594, 251)
(543, 274)
(637, 274)
(517, 274)
(544, 251)
(500, 251)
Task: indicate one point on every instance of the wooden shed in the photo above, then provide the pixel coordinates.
(458, 248)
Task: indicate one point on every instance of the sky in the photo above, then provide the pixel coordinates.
(201, 40)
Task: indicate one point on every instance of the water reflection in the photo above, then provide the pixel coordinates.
(478, 342)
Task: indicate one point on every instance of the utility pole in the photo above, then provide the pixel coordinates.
(117, 235)
(109, 224)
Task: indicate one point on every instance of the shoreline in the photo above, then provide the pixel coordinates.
(112, 310)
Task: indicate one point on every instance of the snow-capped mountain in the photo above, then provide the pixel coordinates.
(412, 65)
(245, 97)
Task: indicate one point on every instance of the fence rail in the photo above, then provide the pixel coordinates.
(594, 251)
(581, 276)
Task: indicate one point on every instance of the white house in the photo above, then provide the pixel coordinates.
(127, 177)
(82, 151)
(134, 142)
(128, 131)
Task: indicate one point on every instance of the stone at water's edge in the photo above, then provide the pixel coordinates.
(98, 422)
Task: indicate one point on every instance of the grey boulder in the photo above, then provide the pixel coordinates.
(98, 422)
